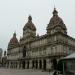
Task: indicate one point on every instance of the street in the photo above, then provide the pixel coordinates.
(22, 72)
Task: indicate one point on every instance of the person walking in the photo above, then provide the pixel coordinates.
(55, 73)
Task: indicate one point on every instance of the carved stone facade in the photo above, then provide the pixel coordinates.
(39, 52)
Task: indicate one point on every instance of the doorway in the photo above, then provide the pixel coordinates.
(28, 65)
(44, 64)
(23, 64)
(33, 64)
(40, 64)
(36, 62)
(54, 64)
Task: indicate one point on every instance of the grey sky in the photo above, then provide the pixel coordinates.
(14, 15)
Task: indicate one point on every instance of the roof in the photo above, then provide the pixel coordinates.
(29, 24)
(13, 42)
(71, 56)
(56, 21)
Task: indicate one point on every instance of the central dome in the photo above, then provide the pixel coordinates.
(29, 24)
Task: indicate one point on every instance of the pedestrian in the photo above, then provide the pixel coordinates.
(55, 73)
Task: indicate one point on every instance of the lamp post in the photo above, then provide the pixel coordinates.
(63, 69)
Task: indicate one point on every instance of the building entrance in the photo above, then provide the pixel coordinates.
(32, 64)
(28, 65)
(36, 62)
(44, 64)
(54, 63)
(23, 64)
(40, 64)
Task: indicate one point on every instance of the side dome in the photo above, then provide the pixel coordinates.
(56, 21)
(13, 42)
(29, 24)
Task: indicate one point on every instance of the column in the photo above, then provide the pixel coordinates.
(48, 64)
(38, 64)
(26, 65)
(9, 65)
(42, 63)
(30, 64)
(18, 65)
(6, 65)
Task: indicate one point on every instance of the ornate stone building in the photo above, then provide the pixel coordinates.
(1, 51)
(40, 52)
(4, 60)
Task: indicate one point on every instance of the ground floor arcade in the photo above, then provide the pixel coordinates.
(43, 63)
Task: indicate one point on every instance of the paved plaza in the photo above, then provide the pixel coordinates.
(22, 72)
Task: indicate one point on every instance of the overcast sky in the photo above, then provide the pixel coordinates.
(14, 14)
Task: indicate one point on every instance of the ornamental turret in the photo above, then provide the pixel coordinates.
(56, 24)
(29, 25)
(13, 42)
(29, 30)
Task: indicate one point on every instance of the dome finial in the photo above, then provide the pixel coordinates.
(54, 5)
(55, 12)
(29, 18)
(14, 35)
